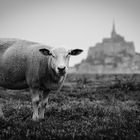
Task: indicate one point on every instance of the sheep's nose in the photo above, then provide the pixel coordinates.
(61, 69)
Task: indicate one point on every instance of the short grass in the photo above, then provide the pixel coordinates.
(101, 107)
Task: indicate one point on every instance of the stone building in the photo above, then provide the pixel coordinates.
(113, 54)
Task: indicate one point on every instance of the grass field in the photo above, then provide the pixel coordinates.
(88, 107)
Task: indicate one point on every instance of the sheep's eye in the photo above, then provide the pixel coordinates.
(53, 55)
(67, 55)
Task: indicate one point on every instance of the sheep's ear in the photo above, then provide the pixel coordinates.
(75, 52)
(45, 51)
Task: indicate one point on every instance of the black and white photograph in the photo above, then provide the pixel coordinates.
(70, 69)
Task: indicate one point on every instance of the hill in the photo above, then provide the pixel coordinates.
(112, 55)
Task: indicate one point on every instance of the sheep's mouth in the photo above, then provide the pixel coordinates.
(62, 73)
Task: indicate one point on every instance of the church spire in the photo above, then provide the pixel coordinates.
(113, 33)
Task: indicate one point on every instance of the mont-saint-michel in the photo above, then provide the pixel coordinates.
(112, 55)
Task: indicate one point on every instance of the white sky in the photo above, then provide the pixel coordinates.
(70, 23)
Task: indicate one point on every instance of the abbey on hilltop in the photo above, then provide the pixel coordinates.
(113, 55)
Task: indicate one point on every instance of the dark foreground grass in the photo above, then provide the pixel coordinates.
(105, 113)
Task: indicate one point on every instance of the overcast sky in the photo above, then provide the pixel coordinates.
(70, 23)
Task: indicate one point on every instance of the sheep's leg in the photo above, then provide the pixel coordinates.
(43, 104)
(35, 103)
(1, 112)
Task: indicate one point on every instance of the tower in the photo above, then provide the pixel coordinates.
(113, 33)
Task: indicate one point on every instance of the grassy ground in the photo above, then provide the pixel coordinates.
(89, 107)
